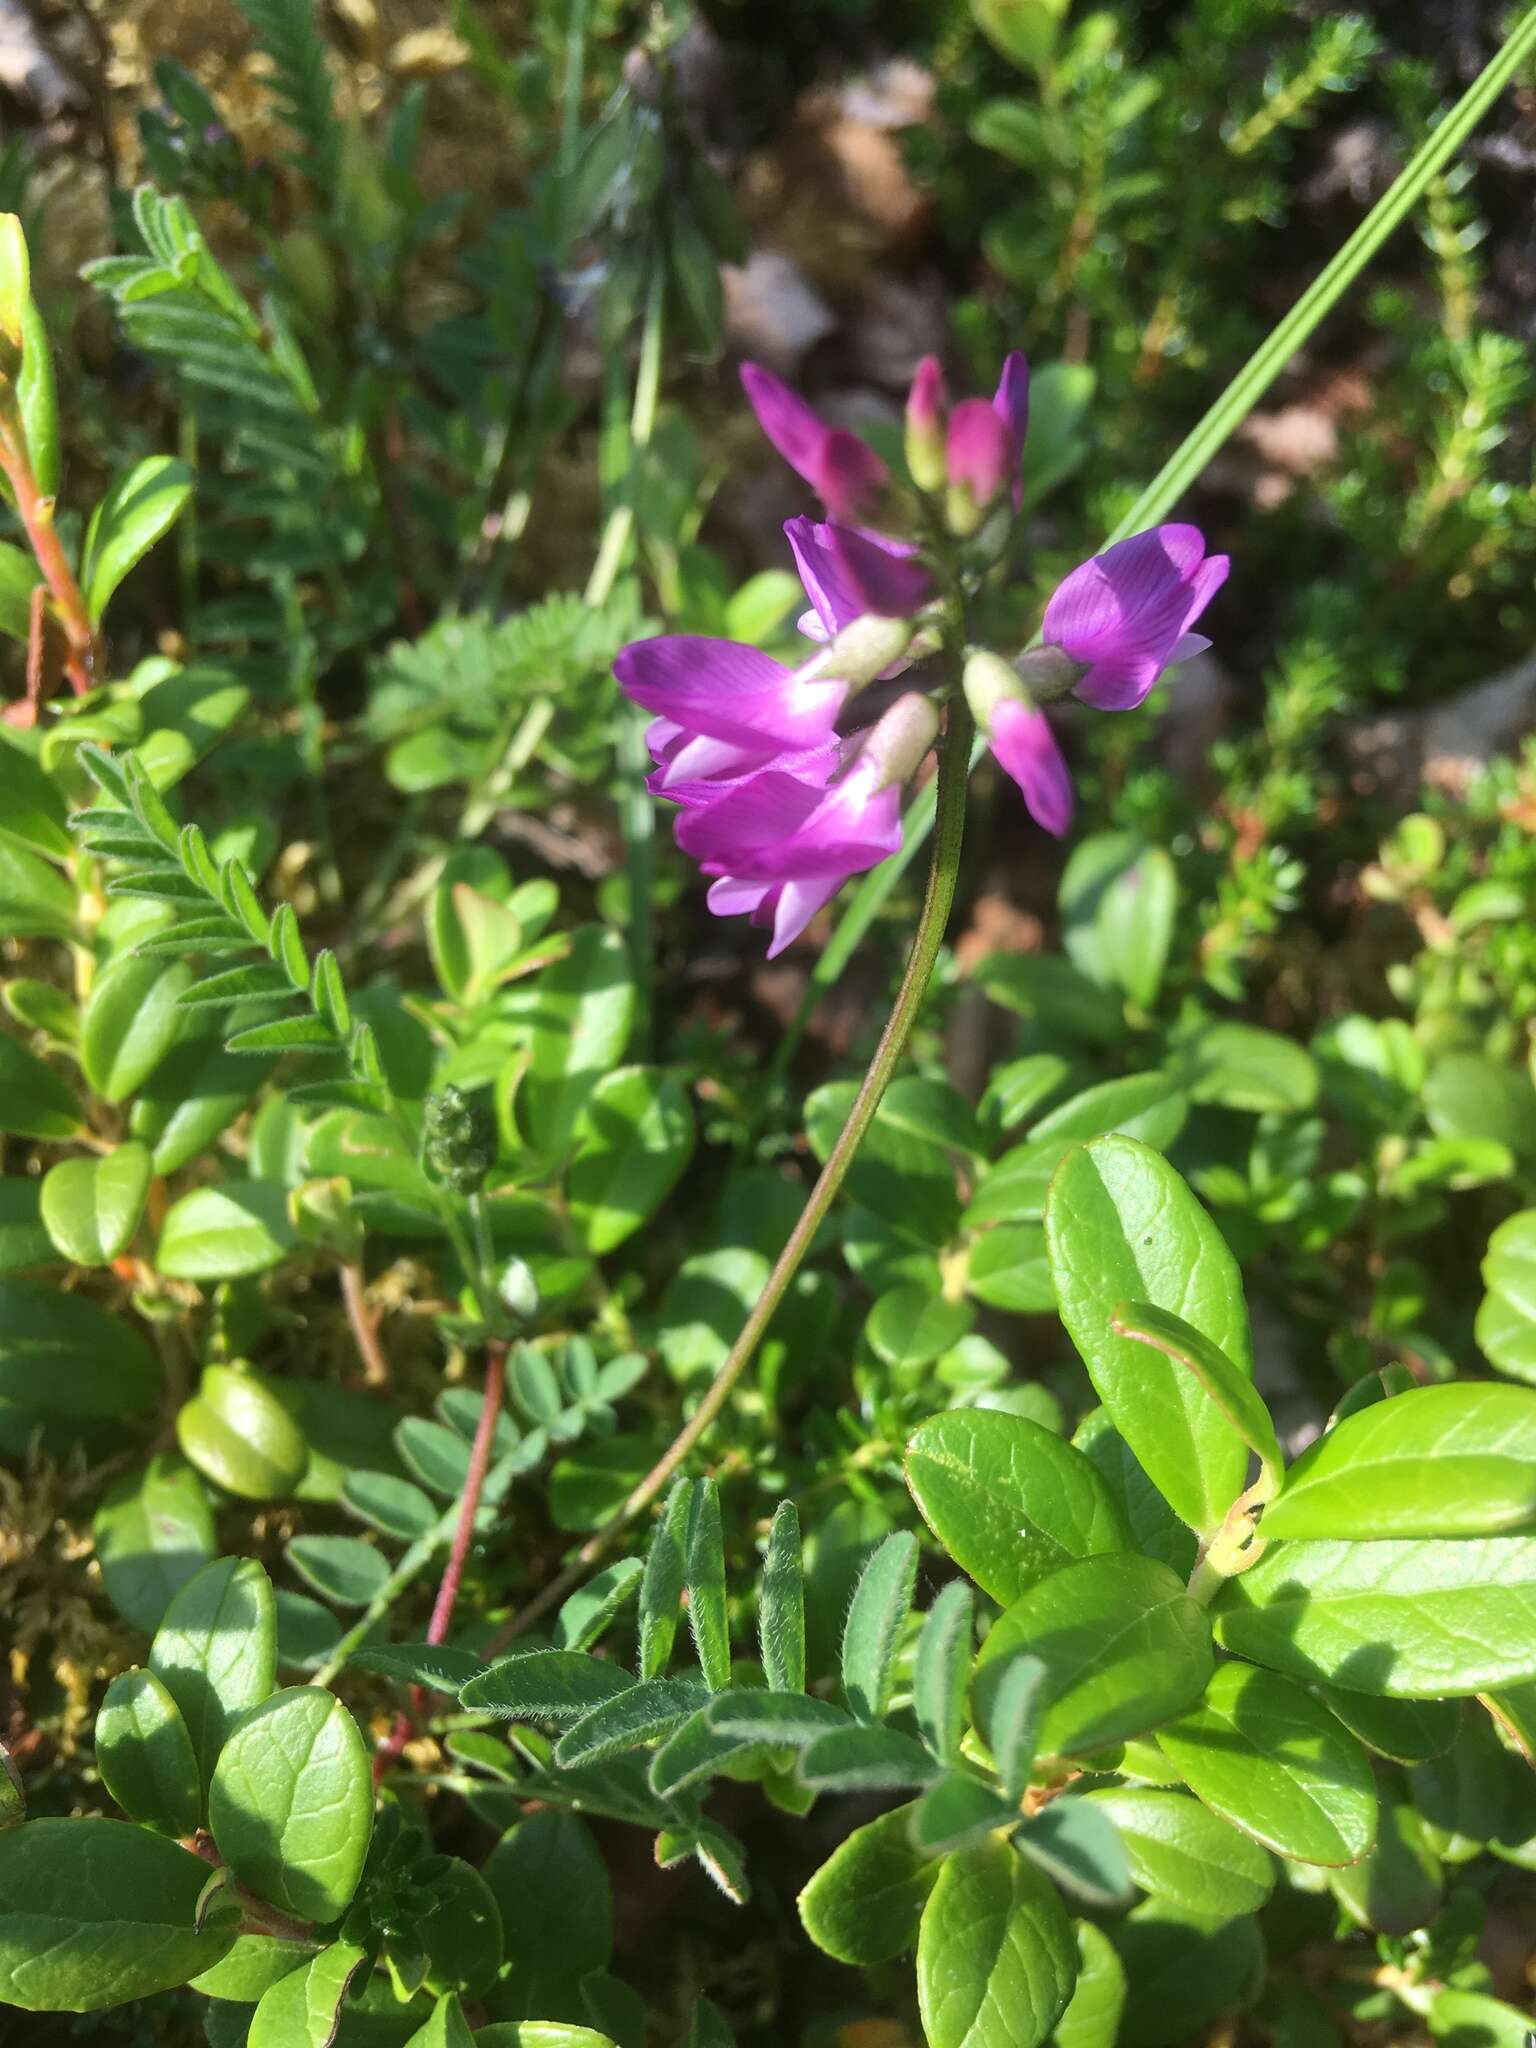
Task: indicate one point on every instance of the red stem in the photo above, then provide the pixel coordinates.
(453, 1572)
(36, 513)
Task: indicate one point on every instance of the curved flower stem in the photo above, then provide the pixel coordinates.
(943, 871)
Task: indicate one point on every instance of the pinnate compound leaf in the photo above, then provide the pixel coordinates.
(216, 1651)
(793, 1720)
(94, 1913)
(344, 1569)
(144, 1754)
(1123, 1645)
(878, 1612)
(1452, 1460)
(866, 1759)
(640, 1714)
(437, 1665)
(1181, 1851)
(704, 1567)
(1426, 1619)
(1008, 1499)
(1272, 1760)
(996, 1957)
(291, 1803)
(864, 1903)
(1122, 1226)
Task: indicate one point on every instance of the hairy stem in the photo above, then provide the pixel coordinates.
(943, 871)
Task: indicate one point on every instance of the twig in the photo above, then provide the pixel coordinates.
(365, 1331)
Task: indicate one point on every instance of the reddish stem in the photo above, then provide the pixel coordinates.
(365, 1331)
(36, 514)
(453, 1572)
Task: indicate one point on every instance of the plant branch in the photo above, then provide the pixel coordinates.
(943, 872)
(365, 1331)
(35, 511)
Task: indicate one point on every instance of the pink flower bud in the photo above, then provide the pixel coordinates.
(980, 460)
(927, 403)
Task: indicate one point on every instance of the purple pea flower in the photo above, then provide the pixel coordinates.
(717, 690)
(1023, 742)
(844, 472)
(848, 573)
(981, 457)
(1125, 616)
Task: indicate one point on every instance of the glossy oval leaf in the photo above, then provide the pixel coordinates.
(1008, 1499)
(216, 1651)
(144, 1754)
(1122, 1226)
(996, 1956)
(62, 1355)
(31, 808)
(1450, 1460)
(1092, 2017)
(1181, 1851)
(1123, 1645)
(291, 1803)
(140, 506)
(1144, 1106)
(864, 1903)
(1183, 1971)
(1506, 1321)
(91, 1207)
(584, 1007)
(1272, 1760)
(340, 1568)
(226, 1232)
(154, 1531)
(131, 1020)
(1411, 1620)
(95, 1913)
(634, 1136)
(35, 1102)
(239, 1434)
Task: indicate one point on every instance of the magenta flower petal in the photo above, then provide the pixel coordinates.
(881, 576)
(704, 770)
(778, 828)
(787, 907)
(1023, 742)
(722, 691)
(1011, 400)
(845, 473)
(981, 452)
(1123, 613)
(833, 602)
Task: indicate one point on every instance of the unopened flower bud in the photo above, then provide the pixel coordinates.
(1050, 672)
(989, 682)
(519, 1290)
(15, 292)
(927, 403)
(899, 740)
(863, 650)
(979, 459)
(459, 1135)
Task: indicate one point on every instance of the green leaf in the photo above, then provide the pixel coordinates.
(285, 1034)
(1506, 1321)
(438, 1666)
(1144, 1106)
(956, 1811)
(1182, 1852)
(704, 1567)
(1272, 1760)
(794, 1720)
(634, 1136)
(301, 2008)
(1073, 1843)
(941, 1670)
(1012, 1721)
(898, 1173)
(1025, 31)
(1123, 1645)
(36, 901)
(1092, 2017)
(589, 1610)
(343, 1569)
(23, 1240)
(647, 1712)
(540, 2034)
(216, 1651)
(1470, 1096)
(580, 1024)
(37, 400)
(1008, 1269)
(242, 1436)
(1156, 1530)
(144, 1754)
(34, 1101)
(62, 1355)
(144, 503)
(865, 1759)
(1119, 898)
(462, 1934)
(1238, 1066)
(1399, 1885)
(1122, 1226)
(1440, 1461)
(781, 1604)
(1411, 1620)
(130, 1022)
(390, 1503)
(877, 1614)
(996, 1958)
(1183, 1971)
(1407, 1731)
(254, 984)
(252, 1967)
(552, 1889)
(692, 1754)
(1008, 1499)
(31, 808)
(18, 579)
(864, 1903)
(225, 1232)
(1470, 2019)
(447, 2028)
(1230, 1391)
(291, 1803)
(543, 1685)
(909, 1328)
(661, 1589)
(96, 1913)
(91, 1207)
(154, 1531)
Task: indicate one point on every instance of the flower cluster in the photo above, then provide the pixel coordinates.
(785, 788)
